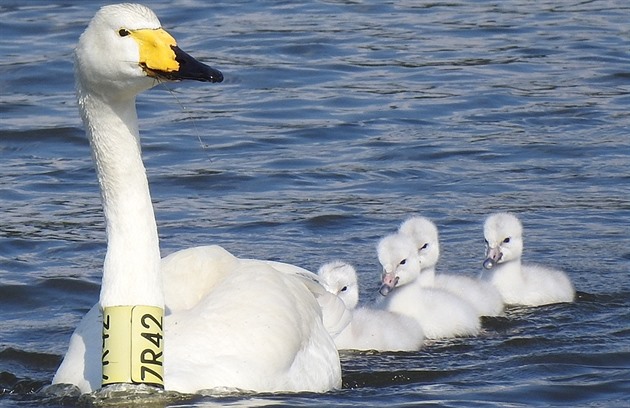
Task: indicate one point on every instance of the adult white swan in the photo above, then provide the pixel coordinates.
(440, 313)
(369, 329)
(529, 284)
(483, 296)
(229, 322)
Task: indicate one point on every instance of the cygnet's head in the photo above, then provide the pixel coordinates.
(340, 278)
(504, 239)
(124, 51)
(399, 258)
(424, 234)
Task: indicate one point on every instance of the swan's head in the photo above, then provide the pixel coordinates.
(124, 51)
(504, 239)
(340, 278)
(424, 234)
(399, 258)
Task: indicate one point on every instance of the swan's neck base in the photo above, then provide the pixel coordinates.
(133, 346)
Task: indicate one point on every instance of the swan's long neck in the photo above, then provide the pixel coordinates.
(131, 270)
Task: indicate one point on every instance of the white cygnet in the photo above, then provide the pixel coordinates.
(483, 296)
(440, 313)
(529, 285)
(369, 329)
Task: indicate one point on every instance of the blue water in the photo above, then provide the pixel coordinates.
(337, 120)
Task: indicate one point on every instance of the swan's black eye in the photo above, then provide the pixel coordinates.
(344, 289)
(505, 241)
(404, 261)
(425, 246)
(486, 241)
(123, 32)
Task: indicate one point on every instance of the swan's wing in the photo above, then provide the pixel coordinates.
(190, 274)
(260, 330)
(335, 314)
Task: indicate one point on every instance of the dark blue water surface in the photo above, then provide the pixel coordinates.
(336, 120)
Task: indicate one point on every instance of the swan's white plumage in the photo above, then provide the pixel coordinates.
(484, 297)
(369, 329)
(229, 322)
(440, 313)
(520, 284)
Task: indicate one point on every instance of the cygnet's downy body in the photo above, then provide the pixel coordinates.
(369, 329)
(440, 313)
(483, 296)
(520, 284)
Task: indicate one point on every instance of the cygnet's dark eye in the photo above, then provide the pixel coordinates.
(123, 32)
(344, 289)
(505, 241)
(404, 261)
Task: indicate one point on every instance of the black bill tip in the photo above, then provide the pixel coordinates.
(191, 69)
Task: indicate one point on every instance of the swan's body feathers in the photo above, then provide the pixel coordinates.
(251, 327)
